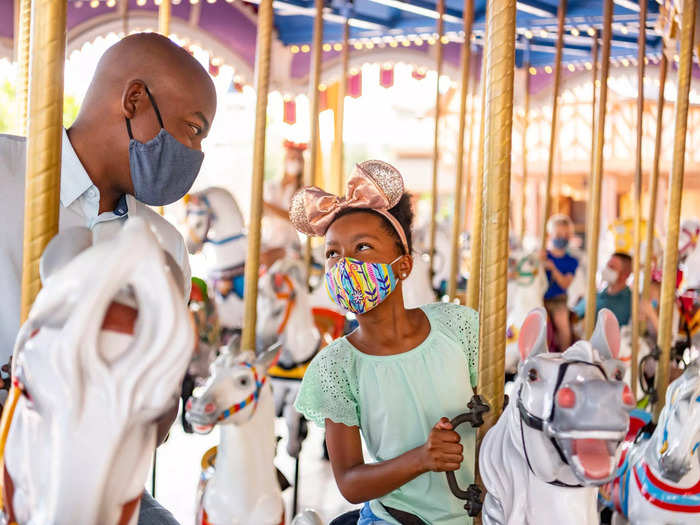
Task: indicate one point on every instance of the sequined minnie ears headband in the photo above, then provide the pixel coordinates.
(373, 185)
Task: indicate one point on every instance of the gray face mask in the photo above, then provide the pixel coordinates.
(162, 169)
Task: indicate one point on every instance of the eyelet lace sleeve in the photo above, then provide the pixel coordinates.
(328, 390)
(463, 324)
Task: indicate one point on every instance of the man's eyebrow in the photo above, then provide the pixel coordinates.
(204, 119)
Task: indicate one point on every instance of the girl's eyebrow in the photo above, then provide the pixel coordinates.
(364, 236)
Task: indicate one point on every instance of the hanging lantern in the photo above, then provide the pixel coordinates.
(386, 76)
(418, 73)
(355, 84)
(290, 111)
(213, 67)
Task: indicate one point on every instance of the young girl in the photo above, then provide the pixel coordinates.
(402, 375)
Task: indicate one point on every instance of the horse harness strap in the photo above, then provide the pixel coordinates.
(290, 297)
(537, 423)
(252, 398)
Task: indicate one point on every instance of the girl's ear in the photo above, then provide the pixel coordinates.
(405, 267)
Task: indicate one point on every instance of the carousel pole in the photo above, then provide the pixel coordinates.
(593, 218)
(459, 179)
(314, 95)
(25, 15)
(436, 151)
(340, 116)
(526, 121)
(500, 58)
(675, 184)
(594, 52)
(641, 48)
(553, 129)
(45, 126)
(252, 264)
(654, 183)
(473, 284)
(164, 18)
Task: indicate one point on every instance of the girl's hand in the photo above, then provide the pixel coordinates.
(442, 452)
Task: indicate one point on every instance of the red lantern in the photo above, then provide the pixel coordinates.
(322, 99)
(355, 84)
(213, 68)
(418, 73)
(290, 111)
(386, 76)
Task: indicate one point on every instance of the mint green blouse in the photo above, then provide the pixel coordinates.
(396, 400)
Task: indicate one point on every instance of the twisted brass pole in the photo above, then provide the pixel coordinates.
(641, 48)
(164, 18)
(593, 218)
(436, 133)
(526, 120)
(594, 52)
(340, 117)
(474, 282)
(654, 182)
(262, 83)
(468, 194)
(675, 186)
(43, 175)
(314, 95)
(459, 179)
(553, 128)
(25, 16)
(500, 58)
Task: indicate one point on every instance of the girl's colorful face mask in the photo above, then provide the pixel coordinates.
(360, 286)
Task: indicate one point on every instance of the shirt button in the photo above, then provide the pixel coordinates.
(92, 193)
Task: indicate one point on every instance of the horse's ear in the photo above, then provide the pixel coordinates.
(606, 336)
(268, 357)
(62, 249)
(533, 334)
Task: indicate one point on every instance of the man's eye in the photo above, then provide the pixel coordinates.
(195, 129)
(363, 246)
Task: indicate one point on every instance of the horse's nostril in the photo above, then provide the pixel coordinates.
(566, 398)
(627, 397)
(209, 407)
(188, 405)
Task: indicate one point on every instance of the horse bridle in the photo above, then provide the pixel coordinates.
(252, 398)
(210, 217)
(290, 297)
(538, 423)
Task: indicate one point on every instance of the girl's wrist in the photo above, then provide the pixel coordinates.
(417, 460)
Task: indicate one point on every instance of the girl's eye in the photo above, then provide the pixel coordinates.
(195, 129)
(331, 253)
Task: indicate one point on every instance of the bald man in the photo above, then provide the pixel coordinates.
(136, 141)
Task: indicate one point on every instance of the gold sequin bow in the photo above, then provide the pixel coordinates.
(373, 185)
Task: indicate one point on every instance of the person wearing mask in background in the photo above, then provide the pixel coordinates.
(137, 142)
(616, 296)
(279, 237)
(560, 267)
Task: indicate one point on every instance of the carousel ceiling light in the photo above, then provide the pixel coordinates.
(357, 45)
(431, 41)
(193, 2)
(338, 47)
(418, 41)
(543, 33)
(548, 69)
(327, 47)
(405, 43)
(142, 3)
(532, 70)
(176, 2)
(393, 43)
(571, 68)
(624, 29)
(305, 48)
(94, 3)
(528, 34)
(294, 50)
(158, 2)
(625, 62)
(445, 40)
(111, 3)
(575, 31)
(369, 45)
(591, 31)
(588, 66)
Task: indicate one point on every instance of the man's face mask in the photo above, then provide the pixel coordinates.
(162, 169)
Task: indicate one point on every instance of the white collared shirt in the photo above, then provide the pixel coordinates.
(80, 202)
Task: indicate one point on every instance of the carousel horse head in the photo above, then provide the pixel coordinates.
(213, 216)
(573, 407)
(285, 314)
(688, 238)
(231, 395)
(99, 360)
(679, 425)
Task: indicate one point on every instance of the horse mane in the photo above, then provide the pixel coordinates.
(141, 380)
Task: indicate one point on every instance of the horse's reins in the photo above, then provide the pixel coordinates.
(252, 398)
(538, 423)
(290, 297)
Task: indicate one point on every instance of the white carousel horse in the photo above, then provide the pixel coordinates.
(215, 225)
(241, 487)
(443, 251)
(98, 361)
(557, 438)
(658, 478)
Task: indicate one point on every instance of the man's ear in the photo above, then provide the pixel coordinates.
(405, 266)
(134, 94)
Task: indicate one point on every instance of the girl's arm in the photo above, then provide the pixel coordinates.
(273, 209)
(359, 482)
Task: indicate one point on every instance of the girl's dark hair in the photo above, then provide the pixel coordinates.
(402, 212)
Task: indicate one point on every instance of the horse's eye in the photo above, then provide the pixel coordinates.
(243, 382)
(618, 375)
(532, 374)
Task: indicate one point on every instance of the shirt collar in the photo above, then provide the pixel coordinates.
(74, 179)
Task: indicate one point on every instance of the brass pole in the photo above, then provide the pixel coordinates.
(553, 127)
(43, 176)
(473, 284)
(470, 155)
(340, 116)
(262, 82)
(595, 54)
(641, 49)
(314, 81)
(526, 121)
(459, 179)
(500, 58)
(593, 218)
(25, 15)
(164, 18)
(675, 187)
(654, 182)
(436, 152)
